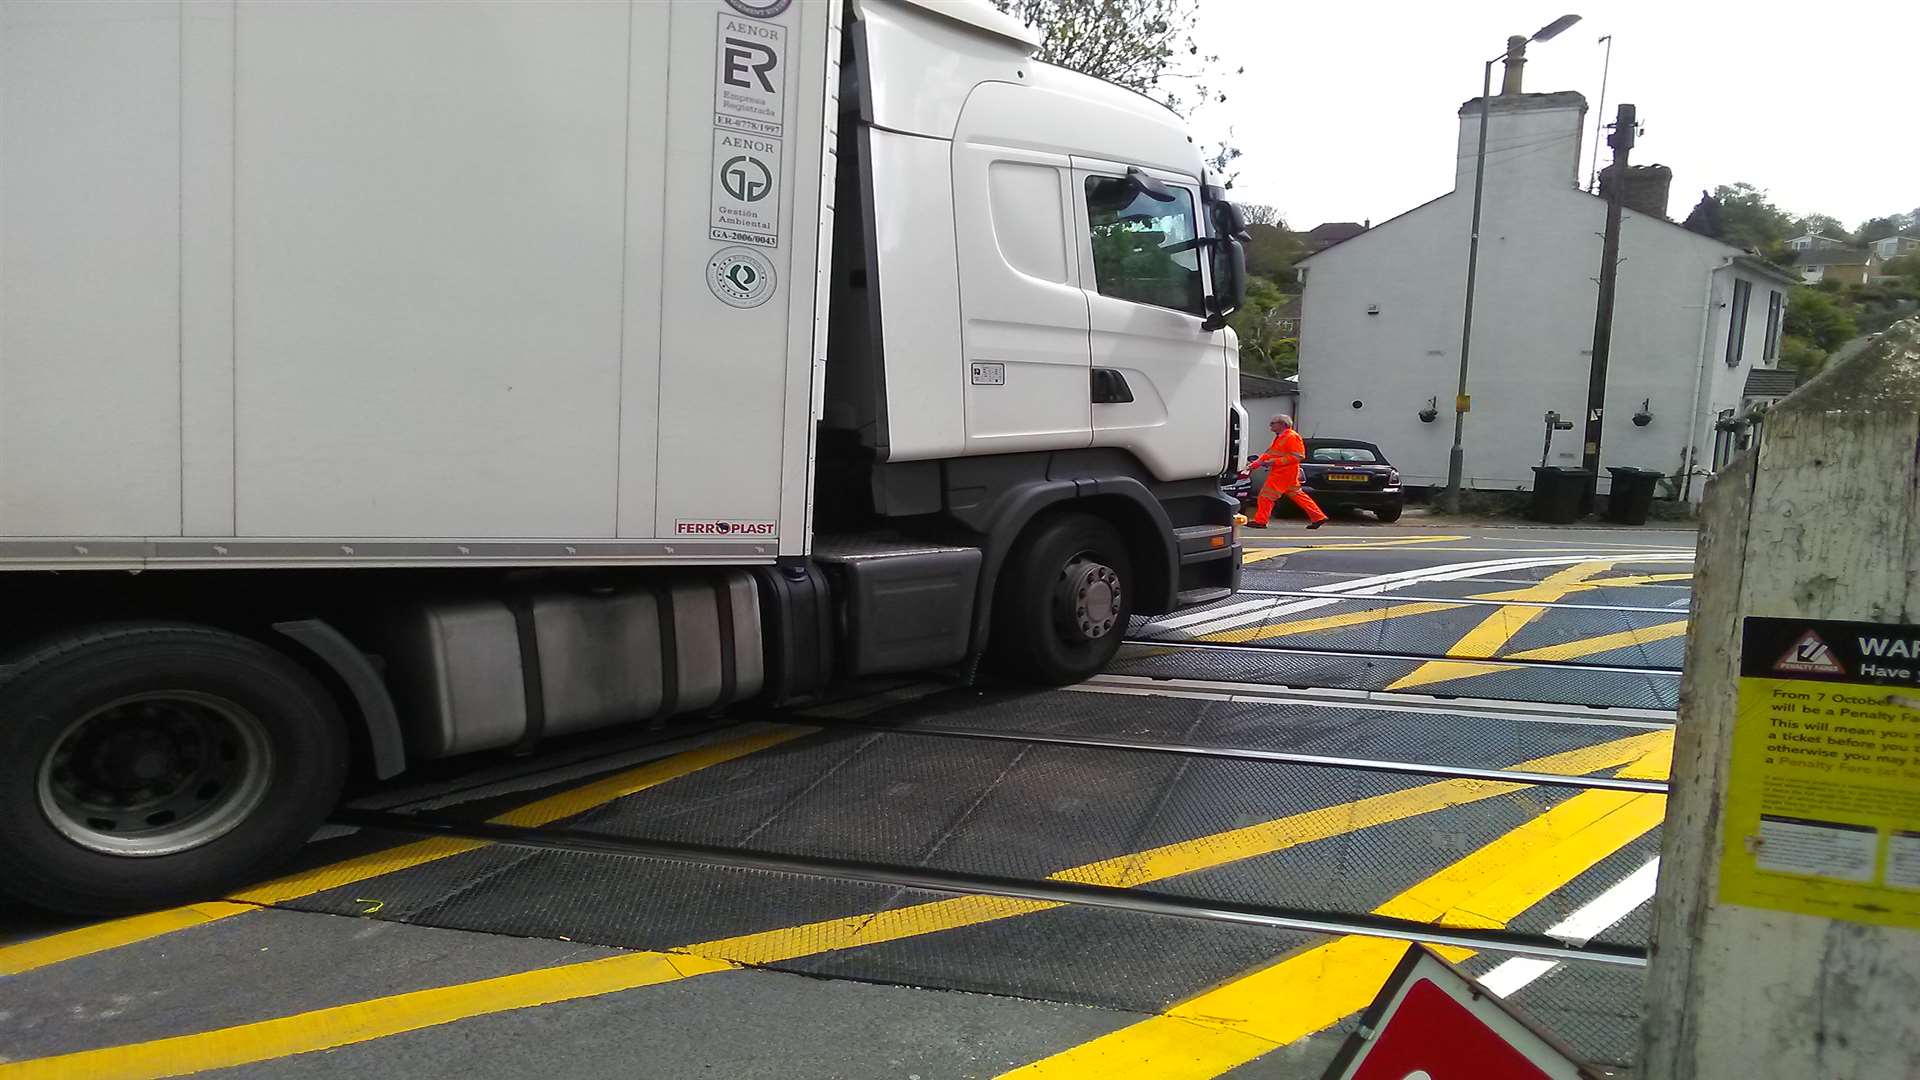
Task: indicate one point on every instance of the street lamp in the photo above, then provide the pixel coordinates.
(1515, 54)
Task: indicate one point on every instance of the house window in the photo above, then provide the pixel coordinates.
(1775, 302)
(1737, 321)
(1144, 250)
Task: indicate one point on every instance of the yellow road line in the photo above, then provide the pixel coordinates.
(1247, 1017)
(112, 934)
(342, 1025)
(378, 1017)
(1327, 622)
(87, 940)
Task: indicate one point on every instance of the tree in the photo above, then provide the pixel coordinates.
(1144, 45)
(1906, 266)
(1262, 214)
(1272, 251)
(1891, 225)
(1750, 218)
(1802, 355)
(1822, 225)
(1265, 348)
(1816, 317)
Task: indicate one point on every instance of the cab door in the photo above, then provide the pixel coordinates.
(1158, 381)
(1023, 314)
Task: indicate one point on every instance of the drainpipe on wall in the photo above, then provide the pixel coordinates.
(1700, 383)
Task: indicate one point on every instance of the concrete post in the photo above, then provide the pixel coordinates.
(1822, 522)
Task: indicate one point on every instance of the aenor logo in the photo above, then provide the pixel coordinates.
(1809, 655)
(723, 528)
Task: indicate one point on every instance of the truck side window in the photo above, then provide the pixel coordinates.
(1143, 249)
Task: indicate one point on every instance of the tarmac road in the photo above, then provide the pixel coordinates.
(1201, 864)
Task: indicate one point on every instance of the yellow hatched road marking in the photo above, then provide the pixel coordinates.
(1591, 584)
(1443, 670)
(377, 1018)
(55, 948)
(1593, 646)
(1247, 1017)
(1485, 639)
(1497, 629)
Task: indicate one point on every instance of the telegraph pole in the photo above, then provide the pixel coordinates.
(1622, 142)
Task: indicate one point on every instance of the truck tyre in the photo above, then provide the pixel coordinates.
(1063, 601)
(151, 764)
(1387, 515)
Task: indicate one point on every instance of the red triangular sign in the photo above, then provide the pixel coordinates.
(1809, 655)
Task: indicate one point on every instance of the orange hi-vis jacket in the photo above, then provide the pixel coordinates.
(1286, 454)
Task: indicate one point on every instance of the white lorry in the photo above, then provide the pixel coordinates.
(384, 382)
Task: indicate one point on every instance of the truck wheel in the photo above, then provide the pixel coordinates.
(143, 765)
(1064, 601)
(1387, 515)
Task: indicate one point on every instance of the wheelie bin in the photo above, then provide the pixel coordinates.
(1557, 492)
(1632, 496)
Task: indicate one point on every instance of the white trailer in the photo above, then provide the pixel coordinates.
(383, 382)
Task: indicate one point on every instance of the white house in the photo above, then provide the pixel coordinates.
(1893, 247)
(1810, 241)
(1849, 266)
(1382, 312)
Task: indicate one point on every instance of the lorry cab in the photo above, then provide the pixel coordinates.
(1029, 284)
(1040, 238)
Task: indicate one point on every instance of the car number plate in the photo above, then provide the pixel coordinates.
(1360, 478)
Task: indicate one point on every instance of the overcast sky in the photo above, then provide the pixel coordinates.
(1347, 110)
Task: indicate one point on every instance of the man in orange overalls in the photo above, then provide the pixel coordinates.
(1286, 454)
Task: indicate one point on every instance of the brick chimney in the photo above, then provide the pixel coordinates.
(1647, 188)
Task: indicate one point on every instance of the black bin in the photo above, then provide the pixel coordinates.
(1632, 497)
(1557, 493)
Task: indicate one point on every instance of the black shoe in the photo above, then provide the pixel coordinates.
(1256, 525)
(1316, 524)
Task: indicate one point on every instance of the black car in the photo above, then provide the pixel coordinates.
(1340, 473)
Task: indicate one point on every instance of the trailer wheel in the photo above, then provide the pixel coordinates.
(150, 764)
(1064, 601)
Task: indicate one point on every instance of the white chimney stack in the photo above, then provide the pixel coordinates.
(1532, 139)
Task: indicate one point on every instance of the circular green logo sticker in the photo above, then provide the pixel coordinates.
(740, 277)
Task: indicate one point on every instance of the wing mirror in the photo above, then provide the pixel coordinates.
(1229, 250)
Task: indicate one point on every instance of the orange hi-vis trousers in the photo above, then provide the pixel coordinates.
(1263, 506)
(1286, 453)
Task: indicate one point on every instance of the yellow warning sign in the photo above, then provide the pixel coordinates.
(1823, 797)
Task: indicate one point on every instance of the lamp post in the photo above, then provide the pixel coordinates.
(1515, 55)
